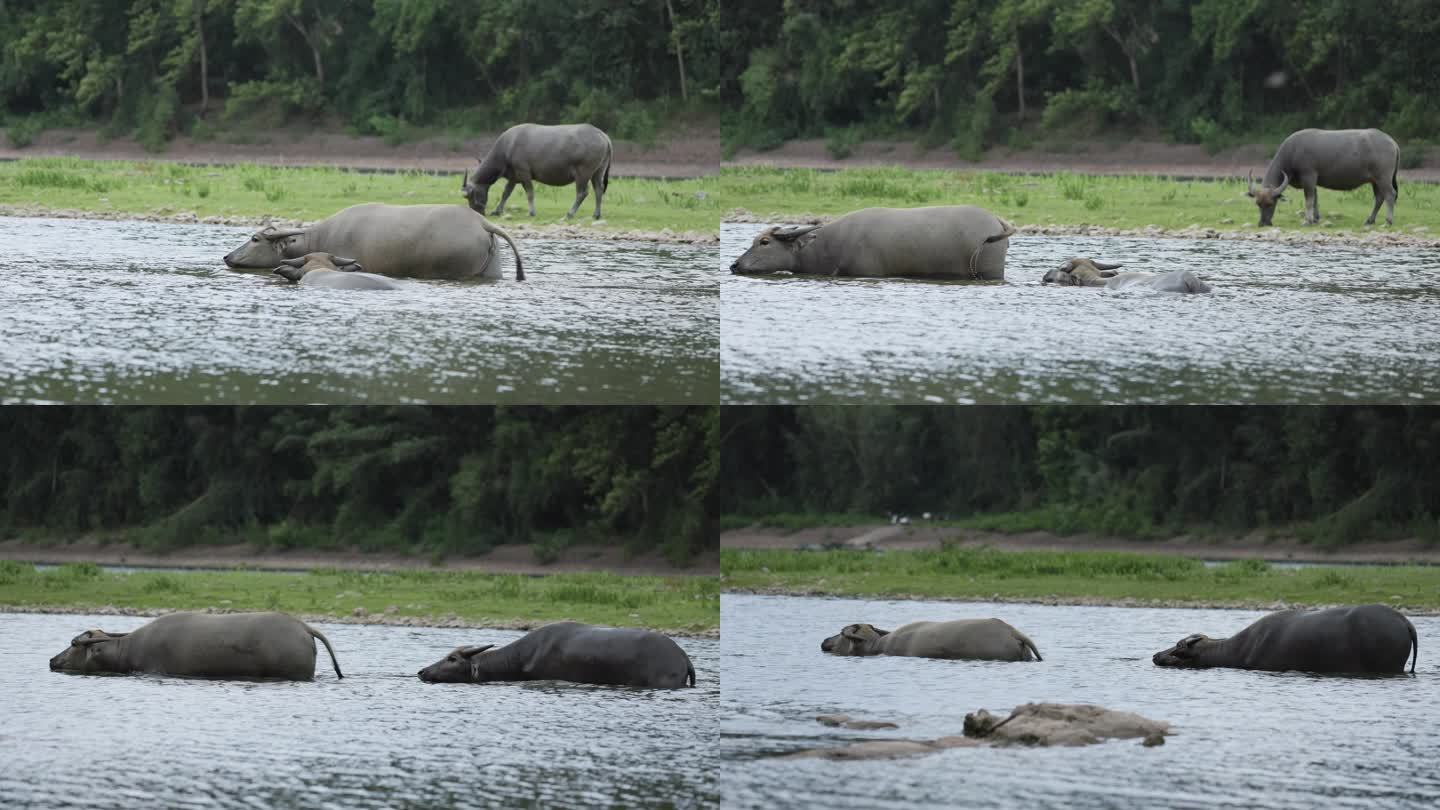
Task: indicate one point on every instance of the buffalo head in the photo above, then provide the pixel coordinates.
(855, 639)
(295, 269)
(91, 651)
(1185, 653)
(774, 250)
(1080, 272)
(475, 188)
(453, 668)
(1267, 196)
(266, 248)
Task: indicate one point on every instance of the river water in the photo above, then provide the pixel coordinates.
(135, 312)
(1285, 324)
(1239, 739)
(378, 738)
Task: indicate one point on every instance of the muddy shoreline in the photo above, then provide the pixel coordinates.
(389, 620)
(1375, 239)
(1061, 601)
(519, 230)
(1252, 546)
(240, 557)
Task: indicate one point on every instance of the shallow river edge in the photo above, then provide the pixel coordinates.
(519, 230)
(1051, 601)
(451, 621)
(1378, 238)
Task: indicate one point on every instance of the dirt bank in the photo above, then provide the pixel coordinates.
(1254, 546)
(451, 621)
(503, 560)
(687, 152)
(1082, 157)
(519, 229)
(1417, 237)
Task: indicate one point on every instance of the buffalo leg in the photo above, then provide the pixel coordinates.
(509, 187)
(1312, 206)
(580, 195)
(1379, 200)
(530, 195)
(595, 181)
(1390, 194)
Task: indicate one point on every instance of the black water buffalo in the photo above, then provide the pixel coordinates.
(975, 639)
(1369, 638)
(332, 272)
(937, 242)
(553, 155)
(1339, 159)
(417, 241)
(569, 651)
(1090, 273)
(235, 645)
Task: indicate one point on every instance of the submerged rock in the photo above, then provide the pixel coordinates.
(844, 720)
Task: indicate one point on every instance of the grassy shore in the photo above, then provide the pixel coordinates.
(1065, 199)
(251, 191)
(1080, 577)
(689, 605)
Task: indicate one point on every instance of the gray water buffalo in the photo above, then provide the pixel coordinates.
(331, 272)
(553, 155)
(976, 639)
(1339, 159)
(1365, 639)
(569, 651)
(1089, 273)
(940, 242)
(201, 645)
(418, 241)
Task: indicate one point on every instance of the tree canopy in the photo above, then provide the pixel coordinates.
(157, 64)
(441, 480)
(1352, 472)
(968, 71)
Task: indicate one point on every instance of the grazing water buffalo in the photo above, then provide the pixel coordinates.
(569, 651)
(418, 241)
(1340, 159)
(979, 639)
(1088, 273)
(325, 270)
(952, 241)
(553, 155)
(1369, 638)
(235, 645)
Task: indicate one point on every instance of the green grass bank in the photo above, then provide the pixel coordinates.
(684, 605)
(1066, 199)
(167, 190)
(1074, 577)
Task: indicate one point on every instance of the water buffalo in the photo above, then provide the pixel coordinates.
(553, 155)
(1339, 159)
(1369, 638)
(332, 272)
(419, 241)
(569, 651)
(952, 241)
(235, 645)
(1089, 273)
(978, 639)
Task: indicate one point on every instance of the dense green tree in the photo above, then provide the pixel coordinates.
(967, 71)
(1347, 472)
(403, 477)
(157, 64)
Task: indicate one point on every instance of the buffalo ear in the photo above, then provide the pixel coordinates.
(852, 632)
(470, 652)
(880, 632)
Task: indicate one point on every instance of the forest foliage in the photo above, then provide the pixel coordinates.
(972, 73)
(1337, 474)
(436, 480)
(164, 66)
